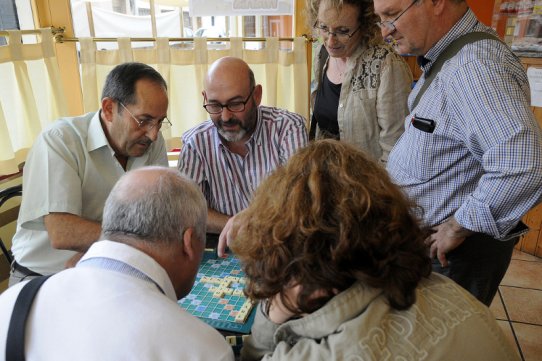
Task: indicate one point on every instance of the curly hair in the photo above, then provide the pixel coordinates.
(327, 219)
(367, 18)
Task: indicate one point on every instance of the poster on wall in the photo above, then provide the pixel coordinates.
(535, 83)
(240, 7)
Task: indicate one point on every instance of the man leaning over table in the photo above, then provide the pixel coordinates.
(120, 301)
(74, 164)
(230, 154)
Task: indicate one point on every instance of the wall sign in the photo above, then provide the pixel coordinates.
(241, 7)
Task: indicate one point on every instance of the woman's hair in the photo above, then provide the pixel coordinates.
(367, 18)
(328, 218)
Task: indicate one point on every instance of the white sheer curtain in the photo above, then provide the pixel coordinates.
(282, 74)
(31, 95)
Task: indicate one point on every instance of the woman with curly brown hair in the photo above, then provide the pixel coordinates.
(361, 85)
(331, 248)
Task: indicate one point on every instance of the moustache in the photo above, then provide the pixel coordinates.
(229, 122)
(144, 140)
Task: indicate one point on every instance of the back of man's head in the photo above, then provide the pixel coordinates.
(154, 205)
(120, 82)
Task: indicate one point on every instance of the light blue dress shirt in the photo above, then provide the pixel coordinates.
(483, 162)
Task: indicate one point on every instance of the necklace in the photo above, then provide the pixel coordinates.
(338, 66)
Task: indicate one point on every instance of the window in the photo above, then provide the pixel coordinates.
(16, 15)
(134, 18)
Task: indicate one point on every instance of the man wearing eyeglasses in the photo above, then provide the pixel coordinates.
(74, 164)
(230, 154)
(471, 154)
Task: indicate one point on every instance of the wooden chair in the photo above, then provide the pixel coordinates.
(9, 215)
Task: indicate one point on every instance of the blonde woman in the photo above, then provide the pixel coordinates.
(359, 94)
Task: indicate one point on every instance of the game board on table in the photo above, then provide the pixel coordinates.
(217, 296)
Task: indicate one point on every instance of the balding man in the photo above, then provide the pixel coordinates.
(230, 154)
(471, 153)
(120, 301)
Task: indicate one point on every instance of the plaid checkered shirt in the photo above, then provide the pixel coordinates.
(483, 162)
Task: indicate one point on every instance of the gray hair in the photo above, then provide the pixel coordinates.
(121, 81)
(156, 212)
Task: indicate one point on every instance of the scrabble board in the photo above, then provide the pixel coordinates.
(217, 295)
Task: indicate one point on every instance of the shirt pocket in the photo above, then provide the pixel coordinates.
(418, 156)
(361, 106)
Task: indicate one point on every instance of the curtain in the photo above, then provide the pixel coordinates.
(31, 95)
(281, 72)
(108, 23)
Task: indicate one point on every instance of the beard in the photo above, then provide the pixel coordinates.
(229, 135)
(244, 129)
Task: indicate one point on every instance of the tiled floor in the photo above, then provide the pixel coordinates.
(518, 305)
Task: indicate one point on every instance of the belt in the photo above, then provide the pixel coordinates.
(23, 270)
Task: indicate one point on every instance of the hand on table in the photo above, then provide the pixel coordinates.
(225, 238)
(228, 234)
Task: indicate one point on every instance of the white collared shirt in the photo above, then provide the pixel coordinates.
(94, 313)
(70, 169)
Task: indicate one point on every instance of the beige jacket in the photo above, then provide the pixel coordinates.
(373, 100)
(445, 323)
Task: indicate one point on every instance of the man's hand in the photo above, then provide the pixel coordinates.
(226, 236)
(447, 237)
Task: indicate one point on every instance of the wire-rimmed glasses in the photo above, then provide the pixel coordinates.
(342, 35)
(149, 124)
(389, 25)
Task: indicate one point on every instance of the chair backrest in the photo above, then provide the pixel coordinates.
(8, 216)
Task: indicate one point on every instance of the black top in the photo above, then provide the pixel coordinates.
(325, 108)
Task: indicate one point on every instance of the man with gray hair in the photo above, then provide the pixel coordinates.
(471, 153)
(74, 163)
(120, 301)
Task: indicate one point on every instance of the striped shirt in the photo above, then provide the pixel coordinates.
(483, 162)
(227, 179)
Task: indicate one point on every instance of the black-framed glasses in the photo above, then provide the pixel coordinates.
(234, 107)
(149, 124)
(389, 25)
(339, 34)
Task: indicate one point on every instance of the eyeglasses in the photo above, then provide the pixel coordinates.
(339, 34)
(389, 25)
(148, 124)
(235, 107)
